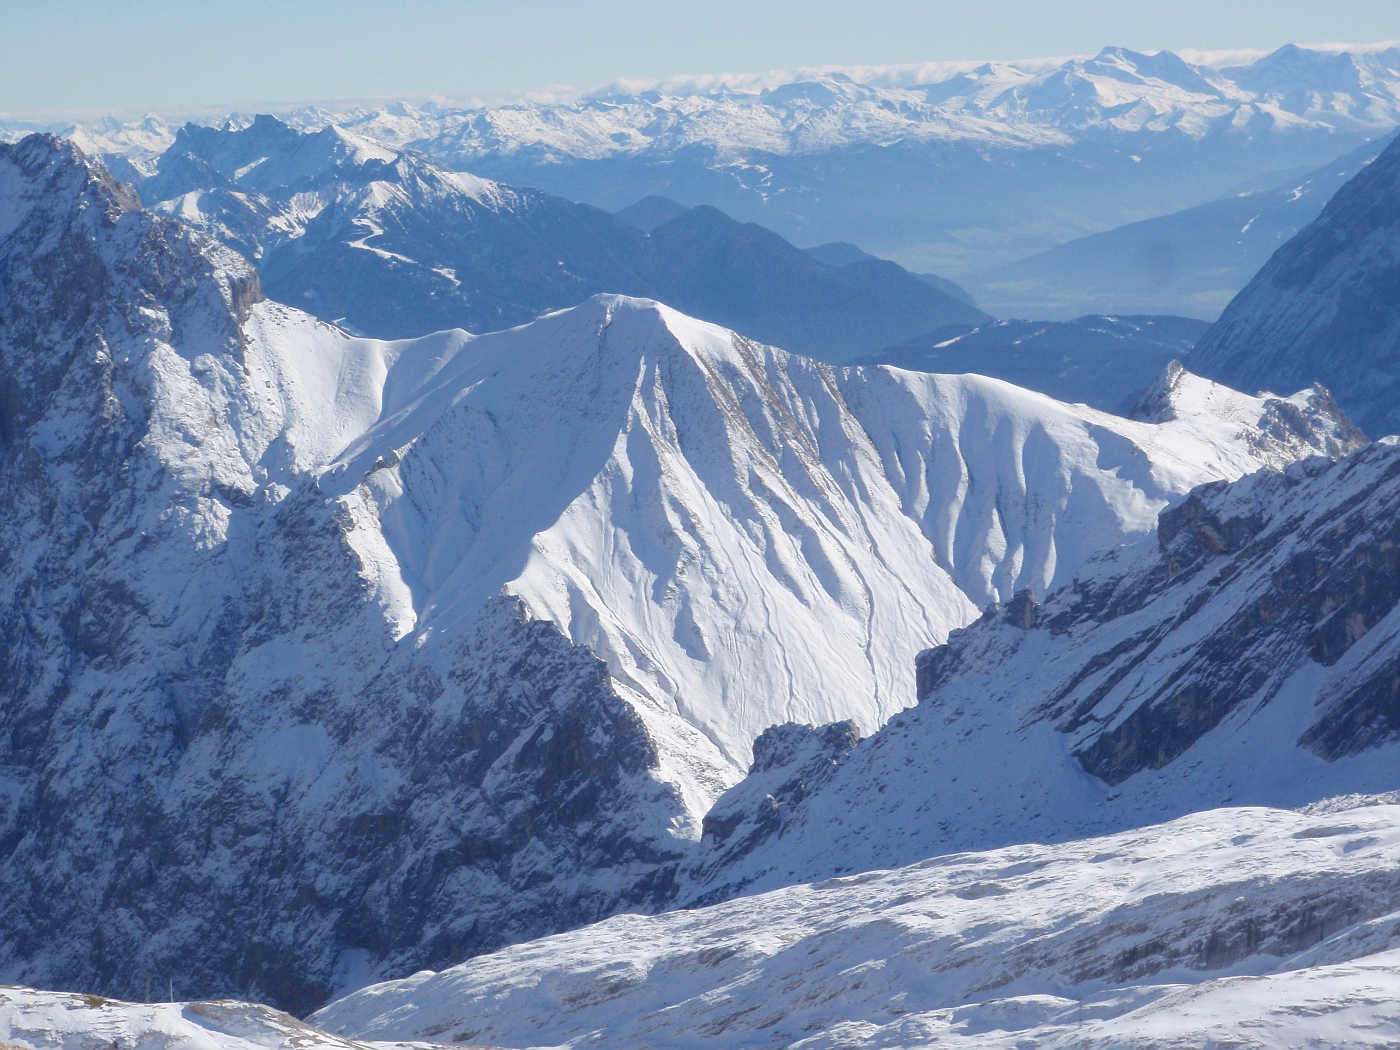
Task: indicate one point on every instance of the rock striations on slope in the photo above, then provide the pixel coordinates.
(1249, 655)
(749, 537)
(328, 658)
(1326, 306)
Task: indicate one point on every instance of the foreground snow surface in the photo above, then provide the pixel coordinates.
(31, 1018)
(1246, 927)
(1228, 928)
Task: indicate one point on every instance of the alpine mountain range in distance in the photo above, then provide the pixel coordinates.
(391, 244)
(895, 159)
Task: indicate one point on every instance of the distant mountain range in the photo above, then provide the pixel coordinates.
(843, 253)
(390, 244)
(650, 212)
(947, 167)
(1104, 362)
(1190, 262)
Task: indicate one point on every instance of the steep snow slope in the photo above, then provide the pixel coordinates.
(750, 537)
(1325, 305)
(1248, 654)
(1252, 927)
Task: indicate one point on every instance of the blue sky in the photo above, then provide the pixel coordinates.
(79, 57)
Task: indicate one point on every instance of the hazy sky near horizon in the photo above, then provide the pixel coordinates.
(83, 57)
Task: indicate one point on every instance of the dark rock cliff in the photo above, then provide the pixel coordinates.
(215, 764)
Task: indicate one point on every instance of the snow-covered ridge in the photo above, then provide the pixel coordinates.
(1263, 925)
(688, 504)
(260, 188)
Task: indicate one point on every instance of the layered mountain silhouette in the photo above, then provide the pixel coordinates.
(392, 245)
(1188, 262)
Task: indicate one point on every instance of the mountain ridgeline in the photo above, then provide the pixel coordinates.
(393, 245)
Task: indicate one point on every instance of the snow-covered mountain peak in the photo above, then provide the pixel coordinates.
(356, 149)
(1277, 429)
(272, 158)
(240, 387)
(686, 502)
(45, 171)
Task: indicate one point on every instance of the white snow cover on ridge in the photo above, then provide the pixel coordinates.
(1240, 927)
(749, 537)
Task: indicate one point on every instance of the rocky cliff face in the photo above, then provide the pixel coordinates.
(1326, 306)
